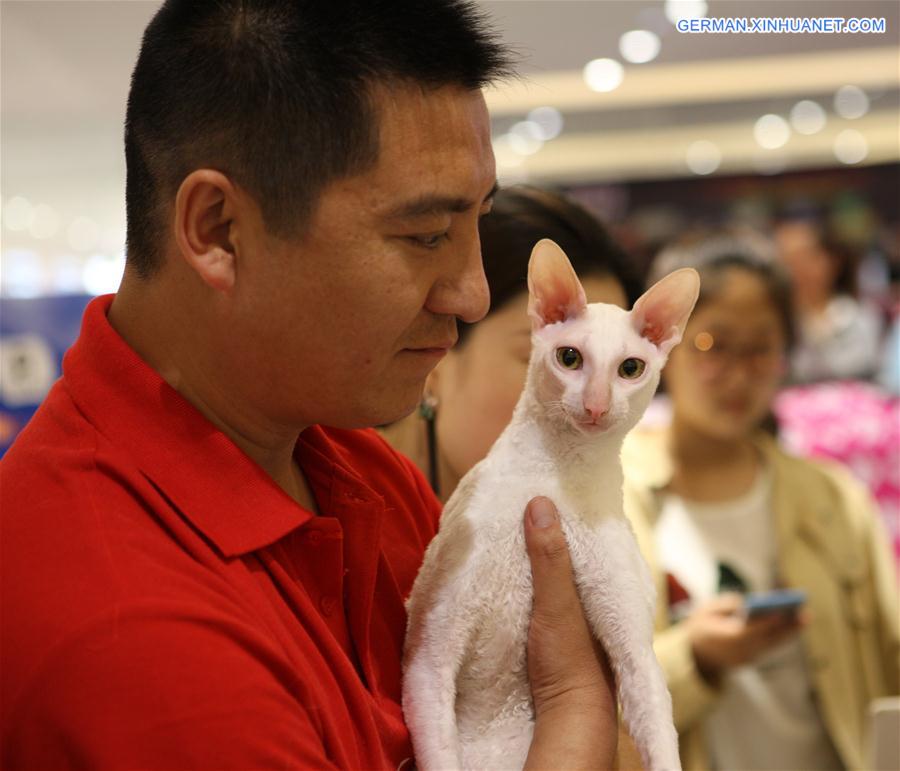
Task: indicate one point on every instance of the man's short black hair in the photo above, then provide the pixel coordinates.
(276, 94)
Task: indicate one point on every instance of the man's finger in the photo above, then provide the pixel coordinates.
(551, 567)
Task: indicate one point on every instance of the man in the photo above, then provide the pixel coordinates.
(204, 561)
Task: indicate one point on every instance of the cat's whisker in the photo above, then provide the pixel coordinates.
(556, 408)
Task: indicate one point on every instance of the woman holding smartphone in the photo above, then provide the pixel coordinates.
(720, 510)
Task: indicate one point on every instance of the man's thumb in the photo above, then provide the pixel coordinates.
(551, 567)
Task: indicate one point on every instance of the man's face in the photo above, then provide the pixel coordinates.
(342, 327)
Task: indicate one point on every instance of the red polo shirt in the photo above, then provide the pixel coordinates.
(165, 605)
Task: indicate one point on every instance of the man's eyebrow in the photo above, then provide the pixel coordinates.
(436, 204)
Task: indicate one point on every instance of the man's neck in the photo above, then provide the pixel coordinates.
(160, 340)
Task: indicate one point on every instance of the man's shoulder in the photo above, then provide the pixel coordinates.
(79, 532)
(51, 460)
(55, 462)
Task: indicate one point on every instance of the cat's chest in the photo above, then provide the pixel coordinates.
(502, 566)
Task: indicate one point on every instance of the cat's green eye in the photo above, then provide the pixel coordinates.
(631, 369)
(570, 358)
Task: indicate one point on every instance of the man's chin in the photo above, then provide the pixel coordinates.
(378, 415)
(399, 414)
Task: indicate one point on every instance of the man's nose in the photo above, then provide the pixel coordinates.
(462, 290)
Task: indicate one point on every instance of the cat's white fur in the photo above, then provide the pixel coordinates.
(466, 694)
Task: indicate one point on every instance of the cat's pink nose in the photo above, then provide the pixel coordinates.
(596, 400)
(595, 411)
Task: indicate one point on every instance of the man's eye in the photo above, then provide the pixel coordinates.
(431, 241)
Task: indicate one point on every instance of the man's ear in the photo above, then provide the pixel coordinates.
(554, 291)
(205, 208)
(662, 312)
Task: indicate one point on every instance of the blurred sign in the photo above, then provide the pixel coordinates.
(34, 335)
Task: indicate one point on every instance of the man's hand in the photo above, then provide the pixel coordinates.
(576, 722)
(722, 639)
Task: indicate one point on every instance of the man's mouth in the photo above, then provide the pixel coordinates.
(439, 347)
(434, 352)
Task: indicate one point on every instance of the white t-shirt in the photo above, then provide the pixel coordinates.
(766, 717)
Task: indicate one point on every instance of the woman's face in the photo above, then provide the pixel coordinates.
(813, 271)
(477, 386)
(722, 377)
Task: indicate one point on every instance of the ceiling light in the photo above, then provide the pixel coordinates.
(549, 120)
(603, 74)
(639, 46)
(808, 117)
(525, 137)
(771, 131)
(504, 155)
(850, 147)
(851, 102)
(18, 213)
(703, 157)
(685, 9)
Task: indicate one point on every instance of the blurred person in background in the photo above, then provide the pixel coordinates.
(470, 395)
(889, 373)
(720, 509)
(839, 336)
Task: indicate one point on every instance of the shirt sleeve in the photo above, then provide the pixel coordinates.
(158, 686)
(883, 571)
(692, 695)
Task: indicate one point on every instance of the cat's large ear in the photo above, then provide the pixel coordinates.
(554, 291)
(662, 312)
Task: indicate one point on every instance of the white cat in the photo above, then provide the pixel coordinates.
(592, 373)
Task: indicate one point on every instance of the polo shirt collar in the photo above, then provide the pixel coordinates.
(224, 494)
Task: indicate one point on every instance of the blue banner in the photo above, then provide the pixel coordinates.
(34, 335)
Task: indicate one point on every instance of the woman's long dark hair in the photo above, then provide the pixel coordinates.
(521, 216)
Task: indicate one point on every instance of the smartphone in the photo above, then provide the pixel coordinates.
(777, 601)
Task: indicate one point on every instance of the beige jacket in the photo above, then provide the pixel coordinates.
(831, 544)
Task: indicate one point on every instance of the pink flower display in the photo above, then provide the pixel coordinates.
(854, 423)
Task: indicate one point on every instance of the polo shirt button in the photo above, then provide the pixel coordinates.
(314, 537)
(327, 605)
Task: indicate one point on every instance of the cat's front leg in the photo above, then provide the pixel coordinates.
(429, 696)
(617, 594)
(436, 640)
